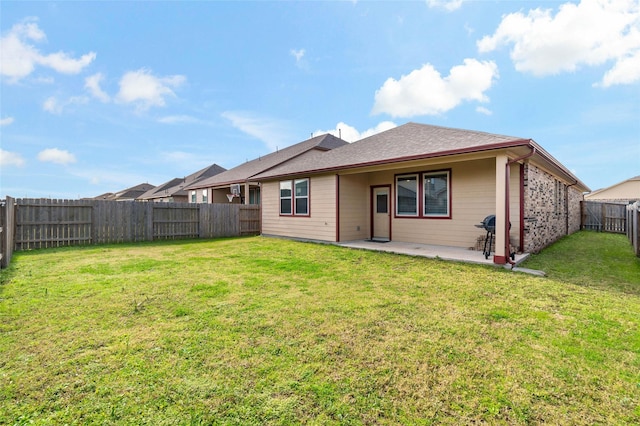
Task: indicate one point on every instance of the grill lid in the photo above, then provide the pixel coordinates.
(489, 223)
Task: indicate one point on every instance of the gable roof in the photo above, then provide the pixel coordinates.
(410, 141)
(177, 186)
(627, 189)
(245, 171)
(126, 194)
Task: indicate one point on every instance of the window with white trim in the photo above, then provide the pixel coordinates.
(193, 196)
(285, 197)
(204, 196)
(294, 197)
(302, 196)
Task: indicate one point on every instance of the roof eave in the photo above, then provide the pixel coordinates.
(425, 156)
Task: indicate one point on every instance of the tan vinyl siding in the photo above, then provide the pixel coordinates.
(319, 225)
(354, 207)
(473, 192)
(625, 191)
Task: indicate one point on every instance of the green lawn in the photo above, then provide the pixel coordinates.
(269, 331)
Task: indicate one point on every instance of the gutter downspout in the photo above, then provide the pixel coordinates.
(566, 207)
(507, 240)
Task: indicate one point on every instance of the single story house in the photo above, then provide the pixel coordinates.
(129, 194)
(424, 184)
(174, 190)
(626, 192)
(239, 182)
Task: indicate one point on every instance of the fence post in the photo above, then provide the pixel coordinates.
(635, 213)
(7, 236)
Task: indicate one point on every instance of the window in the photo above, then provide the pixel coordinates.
(294, 197)
(407, 195)
(254, 196)
(193, 196)
(285, 197)
(302, 196)
(436, 194)
(204, 195)
(381, 202)
(423, 195)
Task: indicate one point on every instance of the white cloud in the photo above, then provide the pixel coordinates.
(590, 33)
(52, 105)
(351, 134)
(426, 92)
(19, 57)
(483, 110)
(448, 5)
(10, 159)
(92, 84)
(271, 131)
(57, 156)
(299, 55)
(6, 121)
(625, 71)
(146, 90)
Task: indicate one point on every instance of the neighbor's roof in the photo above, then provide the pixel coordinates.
(627, 185)
(126, 194)
(177, 186)
(247, 170)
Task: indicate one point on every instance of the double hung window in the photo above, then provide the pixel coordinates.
(426, 195)
(294, 197)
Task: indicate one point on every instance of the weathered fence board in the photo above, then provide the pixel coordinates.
(43, 223)
(633, 227)
(250, 220)
(604, 217)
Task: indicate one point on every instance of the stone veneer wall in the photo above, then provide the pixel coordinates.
(545, 209)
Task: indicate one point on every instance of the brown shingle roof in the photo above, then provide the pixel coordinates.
(411, 141)
(177, 186)
(406, 142)
(245, 171)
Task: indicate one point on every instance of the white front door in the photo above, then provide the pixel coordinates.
(381, 213)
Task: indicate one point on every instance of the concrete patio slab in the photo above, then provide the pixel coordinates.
(431, 251)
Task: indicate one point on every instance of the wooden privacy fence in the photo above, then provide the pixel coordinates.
(633, 226)
(7, 227)
(43, 223)
(604, 217)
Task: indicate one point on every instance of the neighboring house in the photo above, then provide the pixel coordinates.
(128, 194)
(425, 184)
(174, 191)
(624, 192)
(239, 179)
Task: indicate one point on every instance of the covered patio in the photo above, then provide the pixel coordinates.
(457, 254)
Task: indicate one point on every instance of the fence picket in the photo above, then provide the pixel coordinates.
(604, 217)
(41, 223)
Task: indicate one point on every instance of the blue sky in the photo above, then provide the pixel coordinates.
(100, 96)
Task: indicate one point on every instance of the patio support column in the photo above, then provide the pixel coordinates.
(246, 192)
(500, 257)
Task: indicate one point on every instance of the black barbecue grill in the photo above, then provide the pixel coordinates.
(489, 225)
